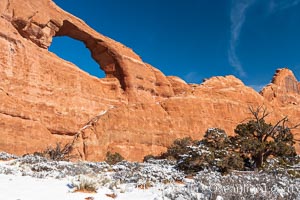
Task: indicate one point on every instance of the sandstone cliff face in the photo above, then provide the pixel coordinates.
(283, 93)
(284, 89)
(136, 110)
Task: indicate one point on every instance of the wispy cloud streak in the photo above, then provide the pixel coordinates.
(280, 5)
(237, 18)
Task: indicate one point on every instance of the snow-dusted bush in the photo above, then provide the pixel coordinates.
(7, 156)
(179, 147)
(149, 157)
(214, 151)
(84, 183)
(161, 177)
(142, 173)
(40, 167)
(246, 185)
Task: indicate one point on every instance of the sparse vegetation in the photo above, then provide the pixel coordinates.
(214, 151)
(179, 147)
(253, 143)
(113, 158)
(84, 184)
(146, 185)
(149, 157)
(58, 153)
(159, 175)
(7, 156)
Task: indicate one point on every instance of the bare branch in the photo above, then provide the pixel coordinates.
(283, 123)
(295, 127)
(258, 110)
(256, 113)
(272, 131)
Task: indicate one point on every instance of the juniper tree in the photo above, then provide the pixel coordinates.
(179, 147)
(214, 151)
(258, 140)
(253, 143)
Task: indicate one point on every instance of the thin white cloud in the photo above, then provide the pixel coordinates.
(279, 5)
(237, 18)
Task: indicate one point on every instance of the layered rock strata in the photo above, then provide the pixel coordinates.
(135, 110)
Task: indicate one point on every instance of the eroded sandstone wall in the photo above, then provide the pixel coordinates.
(136, 110)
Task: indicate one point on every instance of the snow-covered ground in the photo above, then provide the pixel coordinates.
(36, 178)
(14, 187)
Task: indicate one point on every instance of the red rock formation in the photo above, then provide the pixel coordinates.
(284, 89)
(136, 110)
(283, 93)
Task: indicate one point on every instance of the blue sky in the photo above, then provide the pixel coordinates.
(194, 39)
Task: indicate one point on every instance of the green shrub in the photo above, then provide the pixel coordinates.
(113, 158)
(149, 157)
(294, 173)
(212, 152)
(179, 147)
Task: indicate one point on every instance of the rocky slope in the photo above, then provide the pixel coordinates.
(136, 110)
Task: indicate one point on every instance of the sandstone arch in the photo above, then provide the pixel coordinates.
(41, 20)
(100, 52)
(75, 52)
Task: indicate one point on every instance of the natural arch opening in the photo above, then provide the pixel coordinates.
(101, 52)
(75, 51)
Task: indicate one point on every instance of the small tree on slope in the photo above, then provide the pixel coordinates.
(258, 140)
